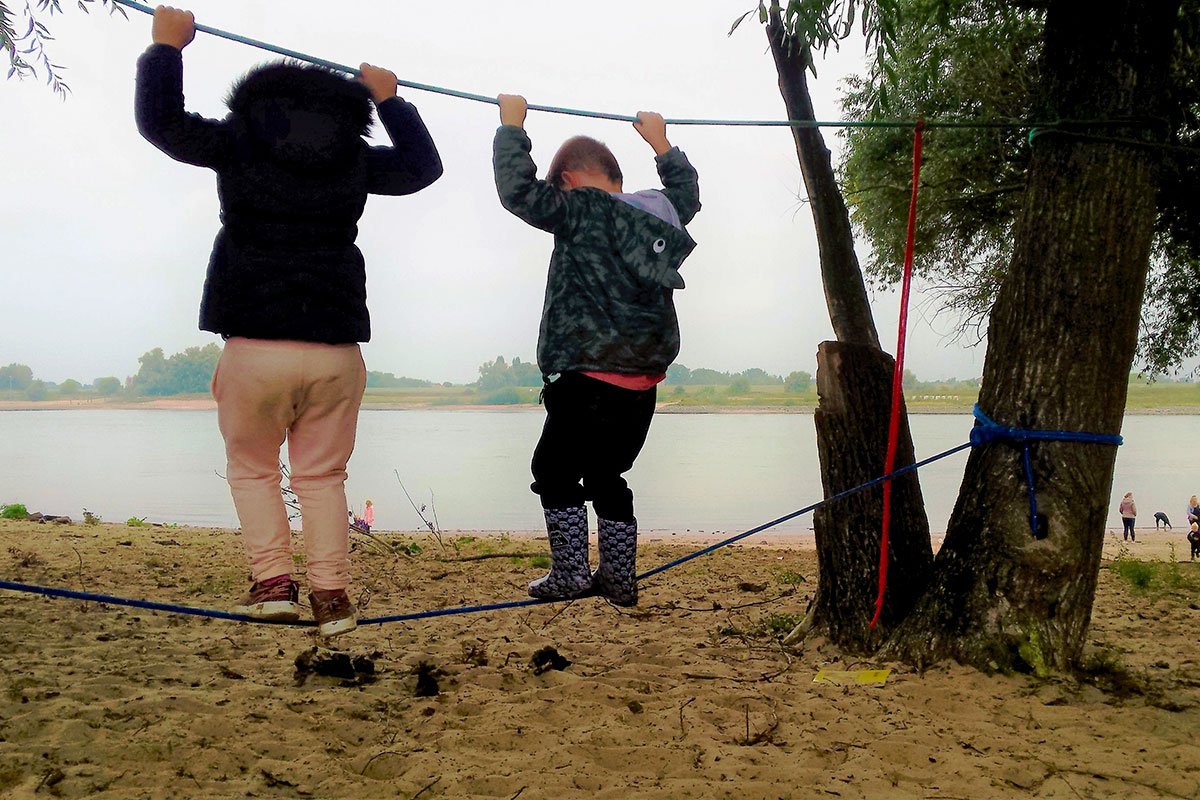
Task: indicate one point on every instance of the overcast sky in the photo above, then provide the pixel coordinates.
(104, 240)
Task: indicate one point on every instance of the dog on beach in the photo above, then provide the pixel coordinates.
(1161, 517)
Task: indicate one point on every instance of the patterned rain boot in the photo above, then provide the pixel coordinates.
(570, 576)
(616, 575)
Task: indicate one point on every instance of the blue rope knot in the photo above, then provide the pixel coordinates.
(986, 430)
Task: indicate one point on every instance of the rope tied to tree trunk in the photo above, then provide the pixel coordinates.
(986, 430)
(898, 370)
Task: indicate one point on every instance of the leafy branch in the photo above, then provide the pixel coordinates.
(27, 52)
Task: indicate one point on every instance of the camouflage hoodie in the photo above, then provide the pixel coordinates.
(608, 304)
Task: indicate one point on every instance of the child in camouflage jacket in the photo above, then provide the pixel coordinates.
(608, 333)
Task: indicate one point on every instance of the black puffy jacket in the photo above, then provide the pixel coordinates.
(293, 175)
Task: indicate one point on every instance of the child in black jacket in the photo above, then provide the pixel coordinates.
(286, 288)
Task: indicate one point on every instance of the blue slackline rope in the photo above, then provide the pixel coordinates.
(443, 612)
(479, 98)
(986, 430)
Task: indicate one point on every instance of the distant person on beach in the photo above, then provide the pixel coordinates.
(1193, 510)
(1193, 538)
(608, 333)
(367, 519)
(1128, 510)
(286, 289)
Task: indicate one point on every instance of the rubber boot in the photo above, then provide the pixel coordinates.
(570, 576)
(616, 574)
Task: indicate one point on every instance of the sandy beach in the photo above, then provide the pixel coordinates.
(689, 695)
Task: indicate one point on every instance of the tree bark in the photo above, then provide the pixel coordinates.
(854, 383)
(845, 291)
(1060, 345)
(852, 443)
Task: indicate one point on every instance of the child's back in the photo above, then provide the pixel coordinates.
(293, 175)
(286, 288)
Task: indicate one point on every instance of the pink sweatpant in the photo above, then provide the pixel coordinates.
(309, 394)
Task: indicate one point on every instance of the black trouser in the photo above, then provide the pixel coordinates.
(593, 433)
(1128, 523)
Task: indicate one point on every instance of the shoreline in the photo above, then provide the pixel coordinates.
(668, 407)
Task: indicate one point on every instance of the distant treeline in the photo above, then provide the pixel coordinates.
(191, 371)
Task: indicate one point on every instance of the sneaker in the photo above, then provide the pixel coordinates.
(271, 599)
(333, 611)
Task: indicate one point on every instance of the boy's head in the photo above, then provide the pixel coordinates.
(584, 162)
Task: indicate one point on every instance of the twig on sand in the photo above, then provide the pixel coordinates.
(518, 794)
(433, 526)
(426, 787)
(681, 708)
(371, 760)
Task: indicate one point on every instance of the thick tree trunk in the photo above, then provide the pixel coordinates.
(1060, 345)
(854, 382)
(852, 443)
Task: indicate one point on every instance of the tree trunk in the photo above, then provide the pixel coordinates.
(845, 291)
(852, 443)
(854, 382)
(1060, 345)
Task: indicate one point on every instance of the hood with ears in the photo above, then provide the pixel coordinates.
(306, 115)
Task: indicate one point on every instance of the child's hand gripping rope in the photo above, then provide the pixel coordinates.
(173, 26)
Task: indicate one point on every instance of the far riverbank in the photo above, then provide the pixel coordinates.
(204, 403)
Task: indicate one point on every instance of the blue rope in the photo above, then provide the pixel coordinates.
(986, 431)
(479, 98)
(444, 612)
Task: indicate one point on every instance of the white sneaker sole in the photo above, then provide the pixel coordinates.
(336, 627)
(282, 610)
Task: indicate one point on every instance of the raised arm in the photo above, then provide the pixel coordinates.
(537, 202)
(680, 183)
(412, 162)
(158, 103)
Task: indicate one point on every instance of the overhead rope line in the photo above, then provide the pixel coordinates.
(577, 112)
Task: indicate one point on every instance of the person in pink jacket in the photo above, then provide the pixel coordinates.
(1128, 510)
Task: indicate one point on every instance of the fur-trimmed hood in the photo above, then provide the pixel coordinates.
(303, 114)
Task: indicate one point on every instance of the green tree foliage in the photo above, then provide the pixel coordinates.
(386, 380)
(818, 24)
(499, 374)
(70, 387)
(983, 62)
(797, 382)
(24, 34)
(16, 377)
(37, 390)
(106, 387)
(679, 375)
(189, 372)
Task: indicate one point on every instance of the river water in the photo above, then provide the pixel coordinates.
(703, 473)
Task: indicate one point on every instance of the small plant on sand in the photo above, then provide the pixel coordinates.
(136, 522)
(777, 625)
(790, 577)
(1139, 573)
(541, 562)
(14, 511)
(90, 518)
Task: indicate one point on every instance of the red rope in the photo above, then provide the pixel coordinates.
(898, 372)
